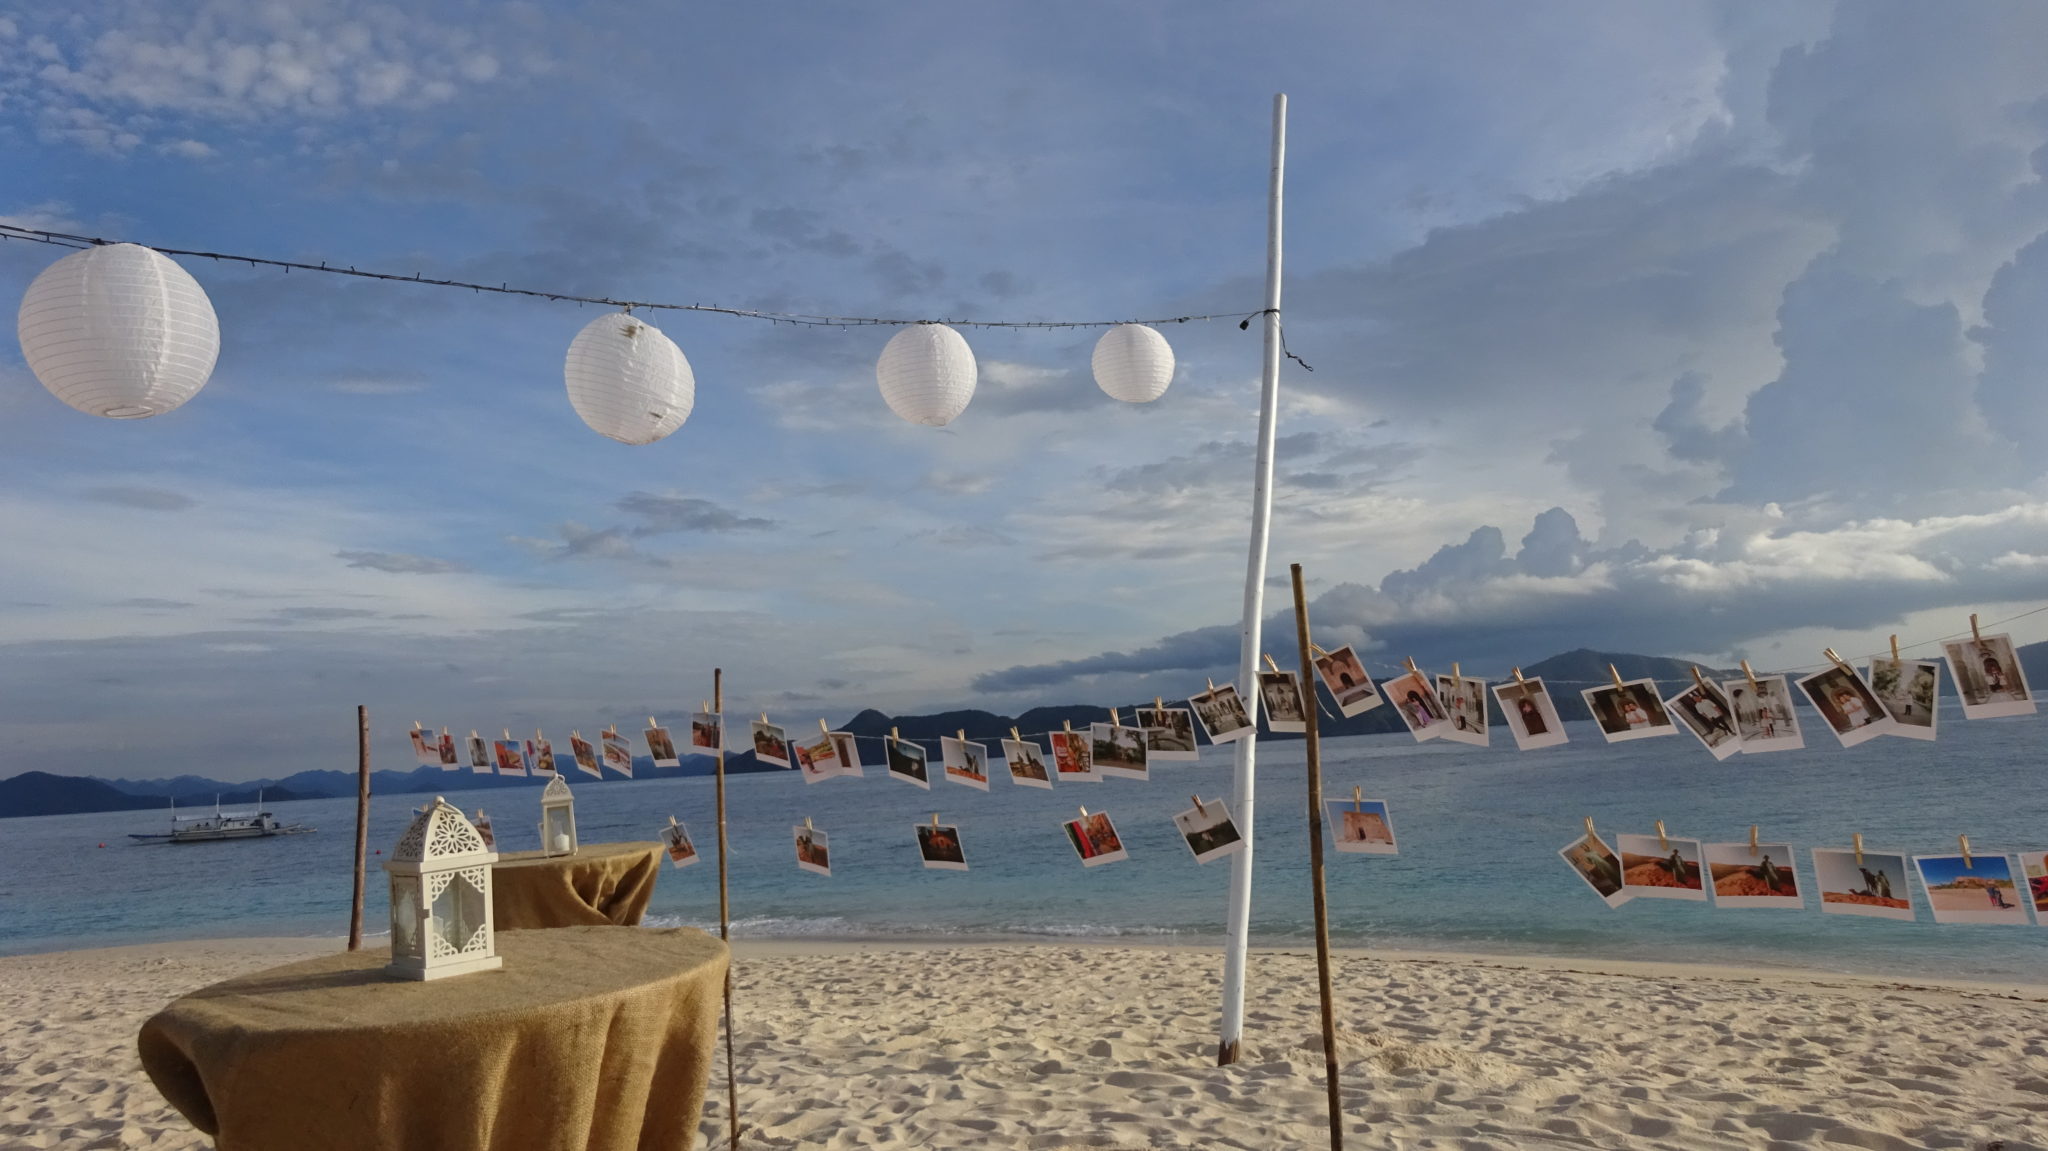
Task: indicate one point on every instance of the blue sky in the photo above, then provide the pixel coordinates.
(1697, 329)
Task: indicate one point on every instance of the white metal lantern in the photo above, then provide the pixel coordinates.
(441, 897)
(927, 374)
(627, 380)
(118, 330)
(557, 818)
(1133, 363)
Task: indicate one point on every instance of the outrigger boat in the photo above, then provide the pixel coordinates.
(221, 825)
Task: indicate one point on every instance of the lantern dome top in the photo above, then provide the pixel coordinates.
(556, 791)
(440, 833)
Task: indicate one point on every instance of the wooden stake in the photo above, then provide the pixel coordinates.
(732, 1086)
(355, 911)
(1315, 867)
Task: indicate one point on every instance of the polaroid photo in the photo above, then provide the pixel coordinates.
(1209, 831)
(510, 755)
(2034, 865)
(1416, 700)
(1630, 711)
(1667, 868)
(676, 837)
(1847, 704)
(618, 754)
(1910, 691)
(966, 761)
(1871, 883)
(541, 754)
(1706, 713)
(1222, 713)
(1027, 764)
(812, 852)
(1982, 890)
(1094, 837)
(584, 754)
(1280, 694)
(939, 844)
(1760, 876)
(482, 823)
(1072, 759)
(426, 750)
(771, 743)
(906, 762)
(479, 755)
(661, 747)
(1348, 684)
(1361, 826)
(817, 759)
(1988, 677)
(1118, 752)
(1763, 713)
(1593, 861)
(1530, 714)
(451, 759)
(707, 731)
(1169, 734)
(1464, 702)
(849, 753)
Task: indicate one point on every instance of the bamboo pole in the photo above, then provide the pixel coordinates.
(1315, 864)
(732, 1087)
(355, 913)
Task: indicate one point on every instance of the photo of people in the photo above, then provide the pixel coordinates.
(1593, 861)
(1347, 682)
(939, 844)
(1988, 677)
(1847, 704)
(479, 755)
(541, 754)
(584, 755)
(1706, 713)
(1763, 713)
(2034, 865)
(482, 823)
(1667, 867)
(966, 761)
(812, 850)
(426, 751)
(771, 743)
(1027, 764)
(906, 762)
(1280, 692)
(1169, 734)
(1760, 876)
(1530, 713)
(1222, 713)
(1095, 839)
(511, 756)
(1910, 692)
(848, 751)
(707, 730)
(1361, 826)
(1630, 711)
(1980, 889)
(1118, 752)
(818, 759)
(1464, 701)
(676, 837)
(1871, 883)
(661, 747)
(1209, 831)
(1416, 700)
(451, 760)
(618, 754)
(1072, 759)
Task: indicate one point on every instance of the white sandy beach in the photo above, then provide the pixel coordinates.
(1041, 1046)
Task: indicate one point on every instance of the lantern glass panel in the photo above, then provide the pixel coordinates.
(557, 834)
(405, 916)
(459, 911)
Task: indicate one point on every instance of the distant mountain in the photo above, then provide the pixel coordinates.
(41, 793)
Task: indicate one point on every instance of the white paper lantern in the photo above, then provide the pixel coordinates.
(1133, 363)
(118, 330)
(927, 374)
(627, 380)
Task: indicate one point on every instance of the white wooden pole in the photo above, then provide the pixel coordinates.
(1232, 1028)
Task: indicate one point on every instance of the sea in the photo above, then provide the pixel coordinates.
(1478, 869)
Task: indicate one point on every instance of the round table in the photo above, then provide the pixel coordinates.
(601, 883)
(588, 1037)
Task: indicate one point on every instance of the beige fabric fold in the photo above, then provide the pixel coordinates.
(602, 883)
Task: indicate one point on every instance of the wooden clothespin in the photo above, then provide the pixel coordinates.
(671, 821)
(824, 727)
(1752, 839)
(1589, 828)
(807, 824)
(1196, 799)
(1895, 647)
(963, 735)
(1974, 633)
(1158, 703)
(1410, 661)
(935, 819)
(703, 705)
(1358, 800)
(1456, 676)
(1084, 813)
(415, 725)
(1662, 843)
(895, 737)
(1837, 660)
(1317, 650)
(1698, 679)
(1964, 841)
(1618, 684)
(651, 722)
(1270, 665)
(1014, 737)
(577, 733)
(1856, 842)
(1070, 726)
(1113, 720)
(1212, 685)
(764, 718)
(1519, 679)
(1749, 675)
(473, 734)
(508, 735)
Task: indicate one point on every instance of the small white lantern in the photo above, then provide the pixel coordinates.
(441, 897)
(627, 380)
(557, 818)
(1133, 363)
(927, 374)
(118, 330)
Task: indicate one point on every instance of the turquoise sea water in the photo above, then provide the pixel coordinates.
(1479, 830)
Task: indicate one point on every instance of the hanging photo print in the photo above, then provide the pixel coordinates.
(1118, 752)
(2034, 868)
(906, 762)
(1094, 838)
(1763, 713)
(1072, 759)
(584, 755)
(1416, 700)
(676, 837)
(511, 756)
(1866, 882)
(1971, 889)
(1464, 700)
(1361, 826)
(1280, 692)
(1209, 831)
(1529, 713)
(1629, 711)
(811, 850)
(939, 844)
(618, 754)
(1222, 713)
(1847, 704)
(1027, 764)
(707, 731)
(541, 754)
(1760, 876)
(1661, 867)
(479, 755)
(1706, 713)
(1169, 734)
(848, 753)
(451, 759)
(1910, 692)
(1347, 682)
(426, 751)
(482, 823)
(818, 758)
(966, 761)
(661, 747)
(1593, 861)
(771, 743)
(1988, 677)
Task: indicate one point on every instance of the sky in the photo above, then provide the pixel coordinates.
(1691, 329)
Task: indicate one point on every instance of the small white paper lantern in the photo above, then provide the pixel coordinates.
(557, 818)
(118, 330)
(441, 920)
(927, 374)
(627, 380)
(1133, 363)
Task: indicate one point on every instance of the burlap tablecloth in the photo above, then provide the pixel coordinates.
(588, 1037)
(602, 883)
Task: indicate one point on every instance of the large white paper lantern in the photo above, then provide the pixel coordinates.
(627, 380)
(927, 374)
(118, 330)
(1133, 363)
